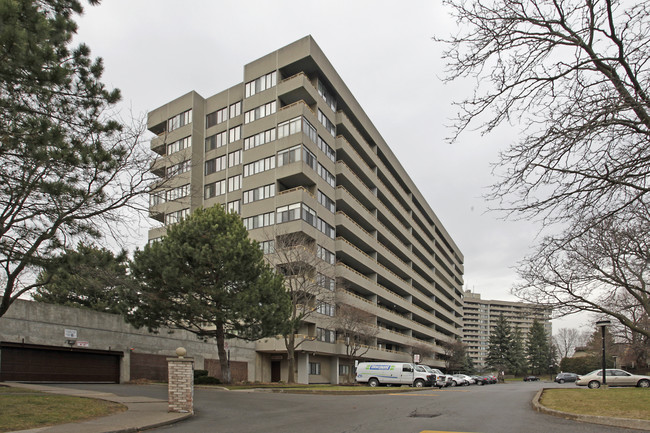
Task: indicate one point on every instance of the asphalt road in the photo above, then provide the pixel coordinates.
(503, 408)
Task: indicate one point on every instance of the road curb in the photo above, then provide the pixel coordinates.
(637, 424)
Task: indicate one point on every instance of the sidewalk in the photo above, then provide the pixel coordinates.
(142, 413)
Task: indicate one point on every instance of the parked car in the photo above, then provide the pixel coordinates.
(467, 379)
(437, 378)
(531, 379)
(493, 378)
(448, 379)
(615, 377)
(482, 379)
(566, 377)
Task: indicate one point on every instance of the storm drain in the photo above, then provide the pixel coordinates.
(416, 414)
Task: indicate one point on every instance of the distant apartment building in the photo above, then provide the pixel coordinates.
(480, 317)
(291, 151)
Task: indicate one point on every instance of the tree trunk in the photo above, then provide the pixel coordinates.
(223, 356)
(291, 357)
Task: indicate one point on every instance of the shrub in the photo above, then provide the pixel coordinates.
(200, 373)
(207, 380)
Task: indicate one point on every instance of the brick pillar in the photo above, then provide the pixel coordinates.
(180, 383)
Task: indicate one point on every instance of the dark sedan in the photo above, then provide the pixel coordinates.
(531, 379)
(566, 377)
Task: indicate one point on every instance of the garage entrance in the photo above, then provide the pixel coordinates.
(37, 363)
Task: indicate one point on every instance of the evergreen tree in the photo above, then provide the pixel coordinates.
(537, 348)
(499, 345)
(90, 277)
(207, 277)
(65, 166)
(517, 353)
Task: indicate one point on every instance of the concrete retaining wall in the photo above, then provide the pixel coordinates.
(37, 323)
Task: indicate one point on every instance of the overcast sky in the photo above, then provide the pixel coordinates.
(157, 50)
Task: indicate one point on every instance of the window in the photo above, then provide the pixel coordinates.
(260, 193)
(235, 109)
(215, 189)
(234, 158)
(310, 131)
(328, 96)
(234, 206)
(325, 228)
(259, 139)
(288, 213)
(216, 141)
(327, 202)
(258, 221)
(179, 192)
(325, 174)
(174, 217)
(156, 198)
(309, 158)
(234, 134)
(179, 120)
(267, 247)
(216, 117)
(289, 155)
(181, 167)
(260, 112)
(234, 183)
(215, 164)
(260, 84)
(259, 166)
(344, 370)
(314, 368)
(289, 127)
(322, 118)
(327, 149)
(326, 309)
(179, 145)
(325, 282)
(326, 335)
(325, 254)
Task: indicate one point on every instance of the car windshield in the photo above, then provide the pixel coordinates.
(426, 368)
(595, 373)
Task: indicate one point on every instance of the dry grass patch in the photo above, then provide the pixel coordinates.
(24, 409)
(613, 402)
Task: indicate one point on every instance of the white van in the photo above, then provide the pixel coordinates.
(393, 373)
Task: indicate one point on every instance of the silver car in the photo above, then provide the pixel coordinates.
(615, 377)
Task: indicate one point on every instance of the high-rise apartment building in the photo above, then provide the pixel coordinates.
(290, 150)
(480, 317)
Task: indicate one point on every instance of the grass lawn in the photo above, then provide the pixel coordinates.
(24, 409)
(613, 402)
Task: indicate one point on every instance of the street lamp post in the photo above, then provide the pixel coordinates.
(604, 324)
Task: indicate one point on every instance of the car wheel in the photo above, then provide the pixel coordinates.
(643, 383)
(418, 383)
(373, 382)
(594, 384)
(453, 383)
(561, 381)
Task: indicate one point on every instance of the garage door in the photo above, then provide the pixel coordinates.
(29, 362)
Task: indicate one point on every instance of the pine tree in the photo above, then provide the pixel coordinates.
(65, 166)
(517, 355)
(537, 348)
(499, 345)
(207, 277)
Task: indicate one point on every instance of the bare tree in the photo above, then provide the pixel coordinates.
(426, 351)
(455, 355)
(604, 271)
(357, 329)
(566, 340)
(309, 280)
(574, 75)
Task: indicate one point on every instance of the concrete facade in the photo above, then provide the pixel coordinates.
(480, 317)
(292, 151)
(45, 324)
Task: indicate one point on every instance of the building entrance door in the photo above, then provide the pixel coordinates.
(276, 369)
